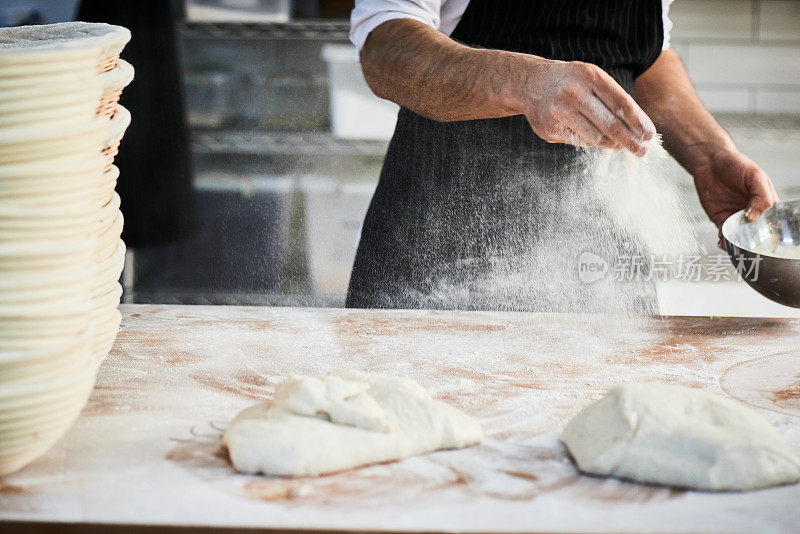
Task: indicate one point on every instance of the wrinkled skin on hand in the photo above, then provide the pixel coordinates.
(580, 104)
(728, 181)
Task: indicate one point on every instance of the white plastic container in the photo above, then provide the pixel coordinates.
(356, 113)
(237, 10)
(335, 210)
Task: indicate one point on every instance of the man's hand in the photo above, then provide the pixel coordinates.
(579, 104)
(418, 67)
(728, 181)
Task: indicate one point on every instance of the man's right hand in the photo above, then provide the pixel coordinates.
(579, 104)
(416, 66)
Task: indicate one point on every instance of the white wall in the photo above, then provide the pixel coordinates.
(743, 55)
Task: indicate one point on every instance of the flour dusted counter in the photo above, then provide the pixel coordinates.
(146, 450)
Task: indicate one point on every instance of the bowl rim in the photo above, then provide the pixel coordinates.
(734, 222)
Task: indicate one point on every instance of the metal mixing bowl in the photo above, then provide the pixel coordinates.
(775, 277)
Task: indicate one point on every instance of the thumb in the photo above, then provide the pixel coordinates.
(760, 195)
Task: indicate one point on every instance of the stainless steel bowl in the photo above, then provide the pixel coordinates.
(751, 246)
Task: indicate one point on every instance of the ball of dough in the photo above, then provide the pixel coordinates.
(345, 419)
(678, 436)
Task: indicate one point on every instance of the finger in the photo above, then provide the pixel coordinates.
(761, 194)
(561, 133)
(775, 197)
(623, 106)
(587, 133)
(610, 143)
(594, 110)
(578, 131)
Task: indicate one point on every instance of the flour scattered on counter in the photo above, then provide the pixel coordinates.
(343, 420)
(225, 359)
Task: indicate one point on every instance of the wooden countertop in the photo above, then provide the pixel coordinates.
(146, 450)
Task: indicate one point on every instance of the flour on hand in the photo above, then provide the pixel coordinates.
(343, 420)
(678, 436)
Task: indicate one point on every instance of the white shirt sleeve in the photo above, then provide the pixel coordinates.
(667, 22)
(369, 14)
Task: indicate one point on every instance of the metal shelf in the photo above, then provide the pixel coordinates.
(306, 30)
(325, 144)
(772, 130)
(759, 121)
(242, 298)
(283, 143)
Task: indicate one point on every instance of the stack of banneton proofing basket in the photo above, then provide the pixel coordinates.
(60, 249)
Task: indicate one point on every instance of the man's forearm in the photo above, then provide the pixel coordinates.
(726, 180)
(422, 69)
(571, 102)
(667, 95)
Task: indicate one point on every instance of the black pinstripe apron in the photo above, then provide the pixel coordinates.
(465, 212)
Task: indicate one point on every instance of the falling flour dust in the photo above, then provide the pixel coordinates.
(599, 226)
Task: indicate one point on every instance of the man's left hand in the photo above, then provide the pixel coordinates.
(728, 181)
